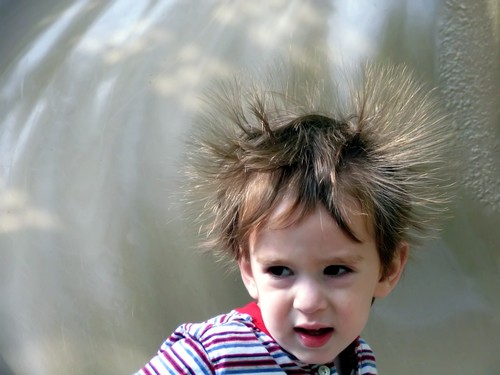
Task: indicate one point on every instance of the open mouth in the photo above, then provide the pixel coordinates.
(314, 332)
(314, 338)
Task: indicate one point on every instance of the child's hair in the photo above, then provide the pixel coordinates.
(378, 140)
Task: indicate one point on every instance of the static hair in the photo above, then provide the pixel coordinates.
(377, 137)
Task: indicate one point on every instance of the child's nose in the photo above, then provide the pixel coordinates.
(309, 297)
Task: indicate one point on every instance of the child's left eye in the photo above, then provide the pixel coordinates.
(336, 271)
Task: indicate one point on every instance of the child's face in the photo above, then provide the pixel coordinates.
(315, 285)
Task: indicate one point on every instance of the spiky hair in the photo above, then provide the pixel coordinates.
(378, 138)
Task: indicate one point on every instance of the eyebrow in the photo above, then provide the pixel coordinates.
(342, 259)
(351, 259)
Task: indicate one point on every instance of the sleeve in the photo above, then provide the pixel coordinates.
(185, 356)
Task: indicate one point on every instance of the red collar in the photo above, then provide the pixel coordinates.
(253, 310)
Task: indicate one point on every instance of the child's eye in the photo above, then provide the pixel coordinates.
(279, 271)
(336, 271)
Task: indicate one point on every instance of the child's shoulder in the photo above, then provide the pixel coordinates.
(222, 343)
(227, 326)
(230, 336)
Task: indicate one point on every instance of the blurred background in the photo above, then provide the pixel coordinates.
(96, 265)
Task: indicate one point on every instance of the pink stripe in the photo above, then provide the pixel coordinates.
(245, 363)
(228, 340)
(230, 333)
(201, 354)
(172, 361)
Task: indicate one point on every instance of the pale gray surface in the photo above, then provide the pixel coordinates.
(96, 267)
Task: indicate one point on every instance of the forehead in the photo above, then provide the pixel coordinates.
(290, 212)
(315, 237)
(289, 222)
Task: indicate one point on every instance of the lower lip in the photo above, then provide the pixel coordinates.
(314, 341)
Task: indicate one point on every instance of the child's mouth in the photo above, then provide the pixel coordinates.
(314, 338)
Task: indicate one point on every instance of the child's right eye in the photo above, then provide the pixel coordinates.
(279, 271)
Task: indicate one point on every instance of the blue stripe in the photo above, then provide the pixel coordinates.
(216, 347)
(166, 365)
(200, 363)
(254, 371)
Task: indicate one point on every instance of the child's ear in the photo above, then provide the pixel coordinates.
(393, 273)
(247, 277)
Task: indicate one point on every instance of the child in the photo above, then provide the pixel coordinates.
(316, 195)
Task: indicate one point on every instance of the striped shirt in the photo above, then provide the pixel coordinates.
(233, 344)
